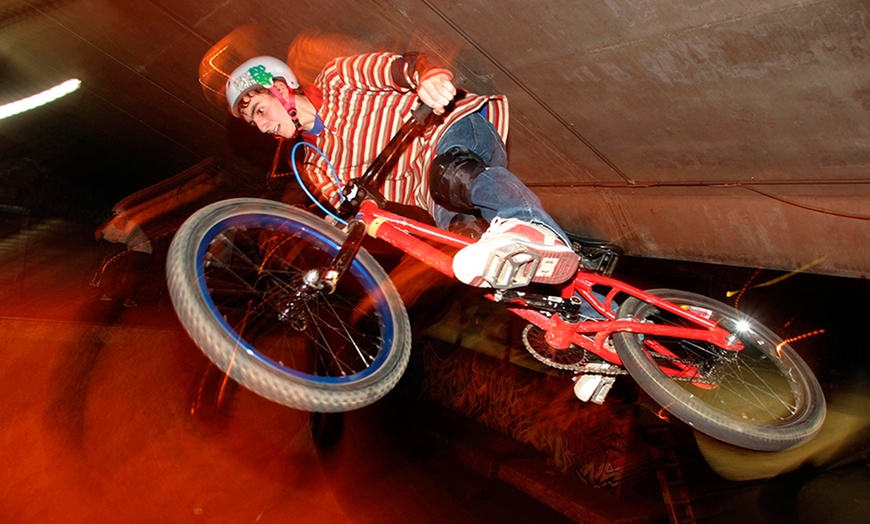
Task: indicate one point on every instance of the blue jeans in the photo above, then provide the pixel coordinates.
(496, 192)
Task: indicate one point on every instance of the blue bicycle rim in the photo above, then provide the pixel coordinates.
(317, 238)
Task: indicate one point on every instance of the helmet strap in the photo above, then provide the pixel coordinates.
(289, 104)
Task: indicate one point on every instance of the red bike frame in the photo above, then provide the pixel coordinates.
(410, 237)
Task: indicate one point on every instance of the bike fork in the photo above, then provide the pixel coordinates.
(316, 281)
(356, 232)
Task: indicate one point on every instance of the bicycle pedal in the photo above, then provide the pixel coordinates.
(510, 266)
(593, 388)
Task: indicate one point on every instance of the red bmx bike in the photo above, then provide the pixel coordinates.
(293, 308)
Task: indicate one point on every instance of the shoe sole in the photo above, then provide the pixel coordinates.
(556, 265)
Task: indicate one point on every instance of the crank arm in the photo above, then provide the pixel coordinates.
(568, 309)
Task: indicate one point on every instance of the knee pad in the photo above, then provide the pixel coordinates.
(451, 175)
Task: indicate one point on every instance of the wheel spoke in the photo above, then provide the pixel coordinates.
(244, 272)
(237, 273)
(752, 396)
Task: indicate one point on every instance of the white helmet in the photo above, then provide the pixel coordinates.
(254, 73)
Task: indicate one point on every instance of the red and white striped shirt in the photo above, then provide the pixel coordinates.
(363, 101)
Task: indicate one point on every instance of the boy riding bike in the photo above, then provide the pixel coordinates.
(457, 170)
(297, 311)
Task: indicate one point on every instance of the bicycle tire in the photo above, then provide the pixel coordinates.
(758, 398)
(233, 270)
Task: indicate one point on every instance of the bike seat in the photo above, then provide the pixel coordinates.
(599, 256)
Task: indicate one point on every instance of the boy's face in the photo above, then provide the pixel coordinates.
(266, 113)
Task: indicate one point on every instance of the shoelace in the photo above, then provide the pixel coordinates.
(494, 227)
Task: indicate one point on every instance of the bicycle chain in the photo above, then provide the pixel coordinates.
(612, 371)
(581, 365)
(585, 366)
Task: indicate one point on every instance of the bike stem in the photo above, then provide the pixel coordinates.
(420, 119)
(365, 187)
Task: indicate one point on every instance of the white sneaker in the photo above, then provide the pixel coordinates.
(513, 253)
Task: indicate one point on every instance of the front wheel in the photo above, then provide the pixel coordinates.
(242, 275)
(763, 397)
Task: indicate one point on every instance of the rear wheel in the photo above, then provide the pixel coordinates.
(243, 277)
(763, 397)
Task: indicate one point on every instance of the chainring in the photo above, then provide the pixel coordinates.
(572, 358)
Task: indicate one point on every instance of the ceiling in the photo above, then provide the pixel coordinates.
(729, 132)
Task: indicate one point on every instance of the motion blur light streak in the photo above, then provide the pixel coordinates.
(213, 66)
(663, 413)
(777, 279)
(743, 290)
(794, 339)
(203, 73)
(39, 99)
